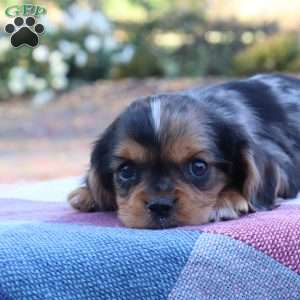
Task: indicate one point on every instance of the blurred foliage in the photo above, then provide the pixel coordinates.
(93, 39)
(82, 48)
(176, 39)
(280, 52)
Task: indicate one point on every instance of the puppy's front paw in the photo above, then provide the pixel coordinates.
(230, 205)
(82, 199)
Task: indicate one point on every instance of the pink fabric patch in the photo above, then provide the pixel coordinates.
(26, 210)
(276, 233)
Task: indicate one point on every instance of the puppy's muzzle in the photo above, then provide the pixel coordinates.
(161, 207)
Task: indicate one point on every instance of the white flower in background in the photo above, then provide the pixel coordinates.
(16, 83)
(39, 84)
(16, 87)
(99, 23)
(68, 49)
(42, 98)
(41, 53)
(76, 18)
(109, 43)
(81, 58)
(59, 82)
(125, 55)
(17, 72)
(35, 83)
(55, 56)
(58, 67)
(50, 27)
(92, 43)
(4, 44)
(30, 80)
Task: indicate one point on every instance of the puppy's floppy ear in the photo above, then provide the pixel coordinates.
(259, 176)
(101, 191)
(264, 198)
(100, 175)
(251, 177)
(98, 192)
(251, 172)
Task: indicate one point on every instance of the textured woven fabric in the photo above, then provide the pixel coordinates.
(25, 210)
(222, 268)
(276, 233)
(69, 262)
(49, 251)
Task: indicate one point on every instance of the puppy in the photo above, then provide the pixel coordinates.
(205, 154)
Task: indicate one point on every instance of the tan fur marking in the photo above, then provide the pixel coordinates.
(282, 182)
(182, 149)
(253, 179)
(104, 199)
(193, 205)
(82, 199)
(180, 134)
(131, 150)
(93, 196)
(131, 210)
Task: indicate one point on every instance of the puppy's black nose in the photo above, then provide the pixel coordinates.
(161, 207)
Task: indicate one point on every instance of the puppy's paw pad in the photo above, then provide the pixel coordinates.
(81, 199)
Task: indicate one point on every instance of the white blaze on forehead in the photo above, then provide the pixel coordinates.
(155, 112)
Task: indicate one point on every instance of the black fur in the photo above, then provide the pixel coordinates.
(259, 97)
(102, 156)
(136, 121)
(259, 114)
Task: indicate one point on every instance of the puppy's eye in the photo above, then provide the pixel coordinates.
(127, 172)
(197, 168)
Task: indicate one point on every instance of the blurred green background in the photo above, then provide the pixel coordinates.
(110, 39)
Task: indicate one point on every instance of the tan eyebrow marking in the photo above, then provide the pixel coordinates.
(132, 150)
(181, 149)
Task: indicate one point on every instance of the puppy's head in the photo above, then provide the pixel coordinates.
(164, 161)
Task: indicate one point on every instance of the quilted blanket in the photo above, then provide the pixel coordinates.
(49, 251)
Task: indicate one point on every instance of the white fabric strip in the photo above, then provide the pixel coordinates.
(55, 190)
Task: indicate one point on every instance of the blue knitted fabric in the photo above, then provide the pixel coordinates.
(66, 261)
(60, 261)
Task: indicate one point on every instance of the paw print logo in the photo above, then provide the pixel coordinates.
(24, 32)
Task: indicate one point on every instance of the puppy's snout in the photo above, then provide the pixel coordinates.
(161, 207)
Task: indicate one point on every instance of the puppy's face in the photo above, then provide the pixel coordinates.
(170, 185)
(162, 162)
(162, 166)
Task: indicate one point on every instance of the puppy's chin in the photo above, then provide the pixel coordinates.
(145, 220)
(148, 222)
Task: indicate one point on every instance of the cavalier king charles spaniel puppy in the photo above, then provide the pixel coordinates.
(200, 155)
